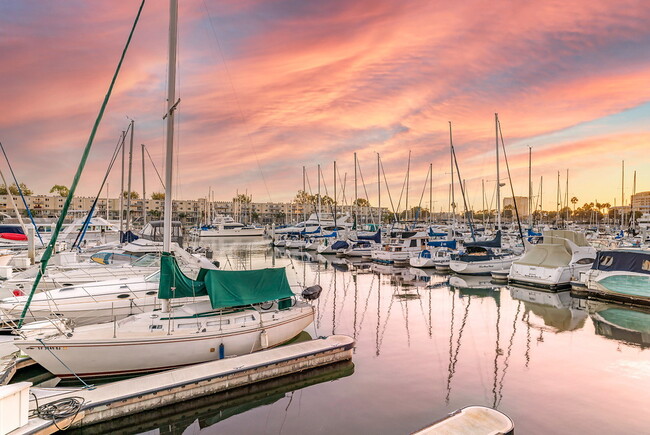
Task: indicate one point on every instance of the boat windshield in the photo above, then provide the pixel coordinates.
(154, 277)
(147, 260)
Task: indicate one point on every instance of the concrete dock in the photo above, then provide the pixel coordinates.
(123, 398)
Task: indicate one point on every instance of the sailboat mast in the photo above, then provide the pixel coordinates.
(335, 195)
(430, 193)
(378, 191)
(452, 205)
(304, 205)
(144, 192)
(319, 199)
(356, 211)
(171, 105)
(128, 187)
(530, 187)
(408, 179)
(496, 128)
(622, 193)
(483, 199)
(122, 186)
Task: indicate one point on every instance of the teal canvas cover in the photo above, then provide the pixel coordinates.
(174, 283)
(225, 288)
(232, 288)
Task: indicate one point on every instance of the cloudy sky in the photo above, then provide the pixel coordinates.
(270, 86)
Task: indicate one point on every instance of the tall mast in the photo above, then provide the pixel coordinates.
(557, 200)
(483, 199)
(356, 212)
(335, 195)
(378, 192)
(171, 105)
(530, 187)
(122, 186)
(408, 179)
(128, 188)
(319, 199)
(622, 193)
(632, 221)
(304, 205)
(144, 192)
(430, 193)
(451, 188)
(541, 198)
(496, 127)
(107, 204)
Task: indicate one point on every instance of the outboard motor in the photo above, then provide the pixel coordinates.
(312, 293)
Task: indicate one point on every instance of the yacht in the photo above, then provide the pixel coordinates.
(225, 226)
(555, 262)
(619, 274)
(483, 258)
(401, 247)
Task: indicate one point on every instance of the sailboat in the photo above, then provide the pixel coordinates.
(246, 310)
(483, 258)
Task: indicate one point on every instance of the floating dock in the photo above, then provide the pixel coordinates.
(123, 398)
(472, 420)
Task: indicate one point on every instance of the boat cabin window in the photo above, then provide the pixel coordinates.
(585, 261)
(153, 327)
(414, 243)
(606, 260)
(218, 322)
(244, 319)
(194, 325)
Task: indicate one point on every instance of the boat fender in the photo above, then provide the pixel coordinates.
(312, 293)
(264, 339)
(222, 351)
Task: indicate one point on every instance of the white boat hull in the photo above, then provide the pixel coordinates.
(155, 349)
(481, 267)
(231, 232)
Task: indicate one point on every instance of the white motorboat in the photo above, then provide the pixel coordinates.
(401, 248)
(482, 258)
(556, 262)
(620, 274)
(225, 226)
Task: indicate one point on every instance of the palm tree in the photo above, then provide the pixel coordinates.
(574, 201)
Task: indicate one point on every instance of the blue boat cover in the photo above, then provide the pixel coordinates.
(127, 237)
(375, 237)
(13, 229)
(494, 243)
(341, 244)
(628, 261)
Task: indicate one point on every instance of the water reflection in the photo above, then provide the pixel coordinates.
(428, 343)
(194, 416)
(622, 323)
(558, 311)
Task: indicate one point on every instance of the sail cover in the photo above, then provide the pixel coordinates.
(225, 288)
(494, 243)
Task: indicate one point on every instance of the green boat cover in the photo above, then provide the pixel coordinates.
(225, 288)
